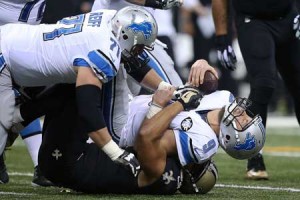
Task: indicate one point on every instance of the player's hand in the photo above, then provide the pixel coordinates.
(163, 96)
(129, 161)
(226, 54)
(189, 97)
(197, 72)
(296, 26)
(167, 4)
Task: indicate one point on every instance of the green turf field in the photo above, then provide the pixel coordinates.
(282, 158)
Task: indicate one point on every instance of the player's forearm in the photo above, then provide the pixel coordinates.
(100, 137)
(153, 128)
(220, 15)
(151, 80)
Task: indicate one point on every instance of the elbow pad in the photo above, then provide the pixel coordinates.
(88, 98)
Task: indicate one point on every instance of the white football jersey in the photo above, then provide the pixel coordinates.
(22, 11)
(196, 142)
(42, 55)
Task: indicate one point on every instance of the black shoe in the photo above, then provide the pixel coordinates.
(4, 178)
(39, 179)
(256, 169)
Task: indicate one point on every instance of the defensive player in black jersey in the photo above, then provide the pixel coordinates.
(268, 33)
(67, 160)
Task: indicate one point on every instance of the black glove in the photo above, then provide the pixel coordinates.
(189, 97)
(130, 162)
(163, 4)
(296, 26)
(226, 54)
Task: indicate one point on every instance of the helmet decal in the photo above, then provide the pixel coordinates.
(248, 144)
(145, 28)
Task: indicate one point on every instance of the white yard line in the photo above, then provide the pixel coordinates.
(19, 174)
(16, 193)
(282, 121)
(259, 187)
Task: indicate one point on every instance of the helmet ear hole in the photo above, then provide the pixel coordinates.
(227, 137)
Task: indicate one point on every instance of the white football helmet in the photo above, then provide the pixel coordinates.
(241, 138)
(199, 178)
(135, 28)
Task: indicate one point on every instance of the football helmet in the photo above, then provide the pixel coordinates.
(242, 135)
(135, 28)
(199, 178)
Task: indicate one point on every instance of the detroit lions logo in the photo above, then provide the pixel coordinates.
(145, 28)
(248, 144)
(186, 124)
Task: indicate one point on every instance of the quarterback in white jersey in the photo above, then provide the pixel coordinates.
(22, 11)
(196, 141)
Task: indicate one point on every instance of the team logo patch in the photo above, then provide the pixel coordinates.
(186, 124)
(145, 28)
(56, 154)
(248, 144)
(168, 177)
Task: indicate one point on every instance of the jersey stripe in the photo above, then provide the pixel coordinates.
(185, 147)
(104, 66)
(155, 64)
(2, 62)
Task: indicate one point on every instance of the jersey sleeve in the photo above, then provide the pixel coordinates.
(102, 65)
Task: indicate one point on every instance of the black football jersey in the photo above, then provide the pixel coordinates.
(263, 8)
(169, 181)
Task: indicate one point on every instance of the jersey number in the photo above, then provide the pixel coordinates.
(70, 25)
(210, 145)
(25, 12)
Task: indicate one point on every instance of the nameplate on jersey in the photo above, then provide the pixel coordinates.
(2, 63)
(102, 65)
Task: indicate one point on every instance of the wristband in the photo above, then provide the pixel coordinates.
(112, 150)
(164, 86)
(153, 110)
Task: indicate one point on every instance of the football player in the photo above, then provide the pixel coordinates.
(68, 161)
(194, 136)
(84, 49)
(156, 61)
(30, 12)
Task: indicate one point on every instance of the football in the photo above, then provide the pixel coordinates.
(210, 83)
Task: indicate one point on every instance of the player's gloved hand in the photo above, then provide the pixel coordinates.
(189, 97)
(226, 54)
(130, 162)
(296, 26)
(167, 4)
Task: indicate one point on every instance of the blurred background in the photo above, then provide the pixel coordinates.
(189, 33)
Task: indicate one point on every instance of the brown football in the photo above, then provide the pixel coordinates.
(210, 83)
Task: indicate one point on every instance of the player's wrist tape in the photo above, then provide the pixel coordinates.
(164, 85)
(154, 3)
(112, 150)
(153, 110)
